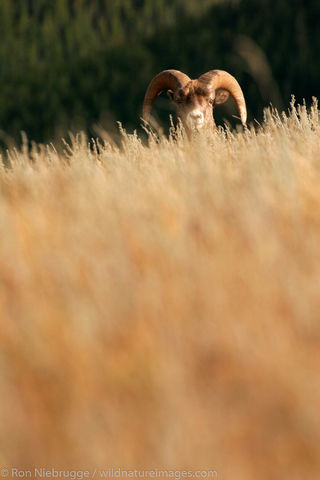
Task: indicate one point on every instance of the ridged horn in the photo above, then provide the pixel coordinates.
(166, 79)
(215, 79)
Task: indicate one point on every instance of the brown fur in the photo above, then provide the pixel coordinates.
(192, 91)
(193, 96)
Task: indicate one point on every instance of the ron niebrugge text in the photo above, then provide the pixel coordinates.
(77, 474)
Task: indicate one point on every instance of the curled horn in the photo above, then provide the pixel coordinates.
(215, 79)
(172, 79)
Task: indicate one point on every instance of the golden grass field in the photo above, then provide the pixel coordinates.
(160, 303)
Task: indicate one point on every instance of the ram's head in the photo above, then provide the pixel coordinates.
(195, 99)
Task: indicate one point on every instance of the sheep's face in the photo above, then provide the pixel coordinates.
(194, 105)
(195, 99)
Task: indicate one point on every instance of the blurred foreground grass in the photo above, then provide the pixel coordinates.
(160, 304)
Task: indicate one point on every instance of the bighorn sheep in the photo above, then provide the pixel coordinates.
(195, 99)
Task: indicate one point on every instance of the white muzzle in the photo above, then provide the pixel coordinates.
(195, 119)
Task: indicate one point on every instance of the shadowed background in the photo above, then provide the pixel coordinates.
(70, 65)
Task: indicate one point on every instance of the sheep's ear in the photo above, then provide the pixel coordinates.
(221, 96)
(170, 94)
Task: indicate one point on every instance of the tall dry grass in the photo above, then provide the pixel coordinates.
(160, 304)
